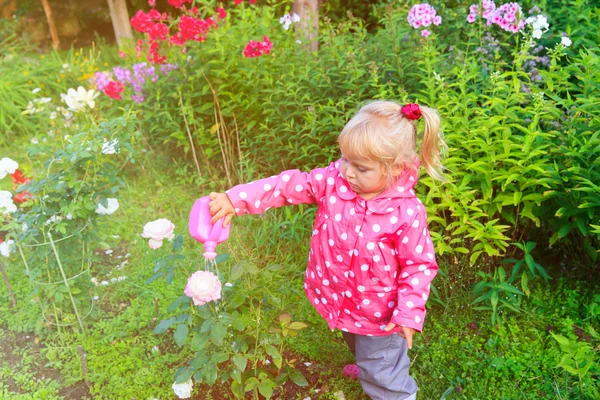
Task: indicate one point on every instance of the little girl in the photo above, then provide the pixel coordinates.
(371, 259)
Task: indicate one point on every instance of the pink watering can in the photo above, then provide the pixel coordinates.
(203, 230)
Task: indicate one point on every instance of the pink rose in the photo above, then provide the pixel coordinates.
(202, 287)
(157, 231)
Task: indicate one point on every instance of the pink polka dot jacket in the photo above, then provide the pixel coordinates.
(370, 262)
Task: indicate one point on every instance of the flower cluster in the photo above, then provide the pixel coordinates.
(539, 24)
(6, 202)
(423, 15)
(114, 90)
(37, 105)
(288, 19)
(191, 28)
(157, 231)
(77, 99)
(256, 49)
(203, 287)
(488, 9)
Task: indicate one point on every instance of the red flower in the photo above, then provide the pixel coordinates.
(222, 13)
(252, 1)
(142, 22)
(152, 3)
(237, 2)
(19, 179)
(411, 111)
(178, 3)
(256, 49)
(22, 197)
(114, 90)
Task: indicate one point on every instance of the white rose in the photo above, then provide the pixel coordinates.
(111, 207)
(157, 231)
(183, 390)
(7, 206)
(7, 166)
(6, 248)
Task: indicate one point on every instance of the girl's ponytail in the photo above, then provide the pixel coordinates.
(432, 144)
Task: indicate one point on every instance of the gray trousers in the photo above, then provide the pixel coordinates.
(383, 362)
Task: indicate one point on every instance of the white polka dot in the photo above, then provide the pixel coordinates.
(376, 258)
(400, 189)
(323, 300)
(364, 267)
(338, 217)
(380, 294)
(343, 189)
(347, 311)
(381, 246)
(410, 304)
(376, 228)
(352, 211)
(422, 267)
(404, 274)
(355, 252)
(387, 289)
(415, 223)
(395, 312)
(409, 262)
(389, 209)
(415, 281)
(285, 177)
(298, 188)
(327, 264)
(325, 282)
(393, 220)
(351, 273)
(344, 236)
(405, 240)
(370, 245)
(324, 226)
(424, 231)
(361, 234)
(331, 243)
(427, 272)
(361, 288)
(330, 181)
(332, 199)
(410, 211)
(366, 302)
(267, 187)
(358, 324)
(318, 291)
(339, 258)
(316, 301)
(382, 327)
(319, 177)
(419, 249)
(348, 294)
(334, 296)
(237, 210)
(387, 267)
(335, 279)
(344, 329)
(391, 304)
(257, 203)
(412, 192)
(430, 256)
(417, 319)
(411, 178)
(357, 228)
(312, 275)
(277, 192)
(243, 195)
(424, 296)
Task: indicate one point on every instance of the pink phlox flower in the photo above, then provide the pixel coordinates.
(425, 33)
(421, 15)
(256, 49)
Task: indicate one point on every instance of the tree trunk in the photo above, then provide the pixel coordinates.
(308, 10)
(50, 19)
(120, 20)
(8, 287)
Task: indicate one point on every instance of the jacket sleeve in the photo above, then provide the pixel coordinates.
(418, 267)
(289, 187)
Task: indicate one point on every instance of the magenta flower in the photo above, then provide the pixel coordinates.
(423, 15)
(425, 33)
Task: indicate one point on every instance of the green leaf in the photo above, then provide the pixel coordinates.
(218, 333)
(240, 362)
(181, 334)
(164, 325)
(266, 388)
(199, 341)
(250, 384)
(209, 372)
(297, 326)
(177, 243)
(183, 375)
(298, 378)
(236, 272)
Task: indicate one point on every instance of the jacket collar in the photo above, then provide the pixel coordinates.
(388, 201)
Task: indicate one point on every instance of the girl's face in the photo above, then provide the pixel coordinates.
(366, 177)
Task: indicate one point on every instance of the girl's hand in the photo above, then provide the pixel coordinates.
(220, 206)
(407, 333)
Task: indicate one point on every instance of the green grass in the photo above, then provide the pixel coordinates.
(458, 353)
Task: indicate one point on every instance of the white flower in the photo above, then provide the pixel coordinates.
(112, 206)
(539, 24)
(6, 248)
(87, 96)
(109, 147)
(157, 231)
(53, 219)
(566, 41)
(34, 91)
(96, 298)
(53, 115)
(77, 99)
(5, 195)
(104, 283)
(183, 390)
(7, 166)
(537, 33)
(34, 140)
(65, 66)
(295, 17)
(6, 204)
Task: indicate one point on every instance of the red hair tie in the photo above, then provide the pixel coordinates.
(411, 111)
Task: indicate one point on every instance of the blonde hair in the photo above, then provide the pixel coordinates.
(381, 132)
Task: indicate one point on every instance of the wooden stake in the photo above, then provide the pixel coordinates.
(50, 19)
(308, 10)
(120, 20)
